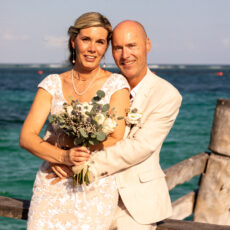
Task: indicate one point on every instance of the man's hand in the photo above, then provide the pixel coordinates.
(59, 172)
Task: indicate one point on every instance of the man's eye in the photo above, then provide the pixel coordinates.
(132, 45)
(117, 48)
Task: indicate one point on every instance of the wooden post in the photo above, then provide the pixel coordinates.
(220, 136)
(213, 201)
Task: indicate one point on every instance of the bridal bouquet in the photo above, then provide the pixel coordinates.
(88, 124)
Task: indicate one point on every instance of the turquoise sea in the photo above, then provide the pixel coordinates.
(200, 87)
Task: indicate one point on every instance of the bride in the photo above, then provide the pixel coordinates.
(60, 206)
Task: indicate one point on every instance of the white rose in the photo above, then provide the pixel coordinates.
(86, 107)
(99, 118)
(69, 110)
(108, 126)
(133, 118)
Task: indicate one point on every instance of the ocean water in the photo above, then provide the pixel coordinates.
(200, 87)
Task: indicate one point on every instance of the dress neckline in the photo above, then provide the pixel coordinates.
(61, 89)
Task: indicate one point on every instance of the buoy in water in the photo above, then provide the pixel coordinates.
(40, 72)
(220, 74)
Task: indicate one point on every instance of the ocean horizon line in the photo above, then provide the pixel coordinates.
(112, 65)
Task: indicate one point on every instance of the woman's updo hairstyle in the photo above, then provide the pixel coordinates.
(87, 20)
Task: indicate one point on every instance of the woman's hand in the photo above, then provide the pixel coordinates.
(77, 156)
(74, 156)
(59, 172)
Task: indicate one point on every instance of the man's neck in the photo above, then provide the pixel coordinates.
(136, 80)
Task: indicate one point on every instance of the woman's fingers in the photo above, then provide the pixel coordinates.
(81, 149)
(61, 171)
(58, 171)
(51, 176)
(78, 155)
(55, 181)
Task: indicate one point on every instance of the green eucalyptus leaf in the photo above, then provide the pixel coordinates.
(83, 133)
(93, 141)
(77, 141)
(101, 136)
(74, 129)
(100, 93)
(96, 99)
(105, 108)
(93, 135)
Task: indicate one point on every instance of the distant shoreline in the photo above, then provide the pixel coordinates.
(151, 66)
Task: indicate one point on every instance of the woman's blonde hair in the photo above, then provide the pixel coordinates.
(85, 21)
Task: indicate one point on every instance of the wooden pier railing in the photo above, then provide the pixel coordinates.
(210, 204)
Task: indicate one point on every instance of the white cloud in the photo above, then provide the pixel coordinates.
(55, 41)
(226, 42)
(9, 36)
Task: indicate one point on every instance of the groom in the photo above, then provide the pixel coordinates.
(144, 197)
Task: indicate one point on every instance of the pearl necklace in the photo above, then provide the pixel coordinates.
(90, 83)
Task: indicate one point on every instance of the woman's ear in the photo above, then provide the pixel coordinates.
(73, 43)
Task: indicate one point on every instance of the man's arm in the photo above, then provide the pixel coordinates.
(146, 140)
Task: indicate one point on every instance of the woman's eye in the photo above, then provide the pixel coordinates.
(101, 41)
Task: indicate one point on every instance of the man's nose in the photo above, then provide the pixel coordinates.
(125, 53)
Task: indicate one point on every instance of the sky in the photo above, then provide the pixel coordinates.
(181, 31)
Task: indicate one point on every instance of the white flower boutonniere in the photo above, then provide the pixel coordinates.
(133, 116)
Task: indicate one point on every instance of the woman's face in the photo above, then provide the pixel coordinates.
(90, 45)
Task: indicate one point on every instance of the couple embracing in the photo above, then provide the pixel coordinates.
(128, 190)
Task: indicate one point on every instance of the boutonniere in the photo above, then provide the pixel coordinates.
(133, 116)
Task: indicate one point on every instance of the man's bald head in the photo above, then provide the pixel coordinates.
(131, 25)
(130, 48)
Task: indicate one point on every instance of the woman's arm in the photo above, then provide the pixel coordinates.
(30, 139)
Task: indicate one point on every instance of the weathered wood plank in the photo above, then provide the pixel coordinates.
(186, 170)
(220, 135)
(14, 208)
(170, 224)
(213, 201)
(184, 206)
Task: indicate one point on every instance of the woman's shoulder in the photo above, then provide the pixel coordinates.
(119, 79)
(50, 83)
(114, 83)
(50, 78)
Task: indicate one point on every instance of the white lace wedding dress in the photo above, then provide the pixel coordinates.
(60, 206)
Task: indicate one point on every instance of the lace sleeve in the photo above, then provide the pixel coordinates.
(49, 84)
(115, 83)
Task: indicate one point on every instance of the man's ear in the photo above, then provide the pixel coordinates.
(148, 45)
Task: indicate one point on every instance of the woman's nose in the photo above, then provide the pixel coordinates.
(92, 47)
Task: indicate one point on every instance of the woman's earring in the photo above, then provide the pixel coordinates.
(73, 60)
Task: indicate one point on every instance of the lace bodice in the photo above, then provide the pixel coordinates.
(52, 83)
(60, 206)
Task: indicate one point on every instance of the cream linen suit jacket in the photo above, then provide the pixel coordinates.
(135, 160)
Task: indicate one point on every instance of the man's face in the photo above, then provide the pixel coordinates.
(130, 48)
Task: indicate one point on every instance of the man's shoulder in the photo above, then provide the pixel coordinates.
(163, 85)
